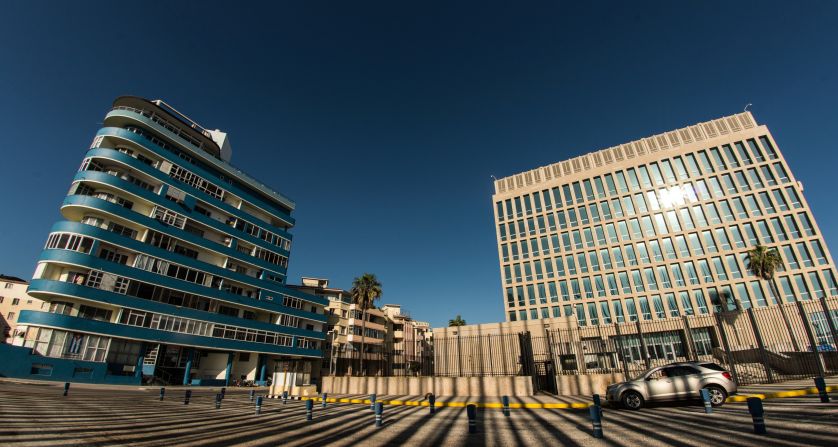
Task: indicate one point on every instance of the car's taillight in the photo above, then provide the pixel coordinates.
(727, 375)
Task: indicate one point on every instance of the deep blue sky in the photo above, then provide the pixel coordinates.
(384, 120)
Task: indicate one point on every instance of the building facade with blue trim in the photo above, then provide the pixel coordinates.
(169, 266)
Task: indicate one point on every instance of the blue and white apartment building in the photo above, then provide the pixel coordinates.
(169, 266)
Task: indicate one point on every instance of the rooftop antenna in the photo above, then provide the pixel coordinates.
(493, 177)
(746, 107)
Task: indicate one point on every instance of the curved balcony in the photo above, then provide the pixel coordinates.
(115, 155)
(66, 322)
(101, 205)
(51, 289)
(92, 262)
(218, 164)
(71, 203)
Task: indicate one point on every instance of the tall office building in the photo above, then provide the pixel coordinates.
(170, 263)
(658, 228)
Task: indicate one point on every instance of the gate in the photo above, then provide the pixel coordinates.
(540, 367)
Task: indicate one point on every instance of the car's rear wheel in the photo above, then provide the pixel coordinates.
(632, 400)
(717, 395)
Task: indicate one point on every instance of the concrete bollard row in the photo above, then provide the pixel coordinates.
(372, 402)
(309, 406)
(705, 396)
(258, 405)
(758, 414)
(66, 388)
(471, 411)
(379, 414)
(218, 401)
(505, 401)
(324, 399)
(187, 396)
(432, 403)
(820, 384)
(162, 393)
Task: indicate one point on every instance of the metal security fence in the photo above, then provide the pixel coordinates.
(758, 345)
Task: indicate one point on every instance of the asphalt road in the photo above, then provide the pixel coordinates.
(38, 415)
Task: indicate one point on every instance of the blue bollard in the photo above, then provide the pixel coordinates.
(218, 401)
(705, 396)
(379, 413)
(596, 419)
(187, 396)
(162, 393)
(820, 384)
(252, 395)
(758, 414)
(432, 403)
(66, 388)
(258, 405)
(284, 397)
(372, 402)
(598, 404)
(505, 401)
(223, 393)
(471, 411)
(309, 406)
(324, 399)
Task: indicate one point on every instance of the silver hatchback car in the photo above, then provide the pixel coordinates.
(676, 381)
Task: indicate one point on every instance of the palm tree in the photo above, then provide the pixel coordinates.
(458, 321)
(763, 262)
(366, 289)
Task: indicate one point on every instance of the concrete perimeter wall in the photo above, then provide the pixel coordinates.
(440, 386)
(586, 384)
(520, 386)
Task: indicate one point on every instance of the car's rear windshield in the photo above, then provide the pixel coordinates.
(712, 366)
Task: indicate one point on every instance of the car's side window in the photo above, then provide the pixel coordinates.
(677, 371)
(659, 374)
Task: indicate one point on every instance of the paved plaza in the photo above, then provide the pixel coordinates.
(36, 414)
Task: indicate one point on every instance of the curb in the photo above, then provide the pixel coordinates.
(536, 405)
(781, 394)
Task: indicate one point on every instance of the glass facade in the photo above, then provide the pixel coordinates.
(665, 229)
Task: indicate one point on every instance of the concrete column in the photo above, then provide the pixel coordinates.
(138, 371)
(188, 370)
(263, 368)
(229, 368)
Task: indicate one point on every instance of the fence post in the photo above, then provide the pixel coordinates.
(622, 352)
(66, 387)
(763, 354)
(828, 316)
(643, 352)
(730, 362)
(811, 336)
(689, 339)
